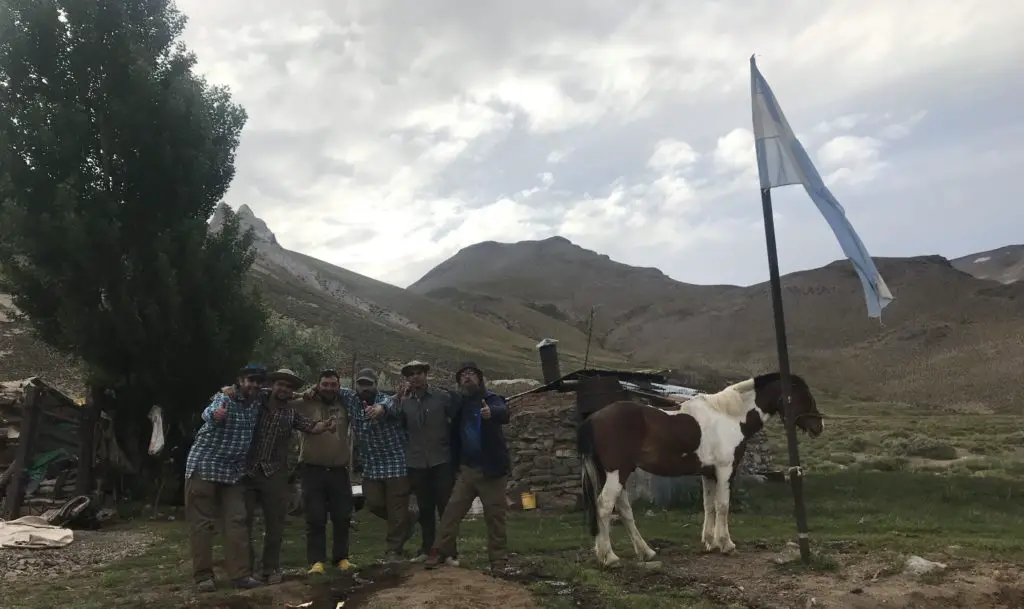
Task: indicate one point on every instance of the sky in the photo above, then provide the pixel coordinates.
(386, 135)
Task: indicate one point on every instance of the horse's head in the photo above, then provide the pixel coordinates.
(768, 390)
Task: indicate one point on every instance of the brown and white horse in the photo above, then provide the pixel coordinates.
(706, 436)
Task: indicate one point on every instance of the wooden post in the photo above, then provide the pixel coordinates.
(31, 415)
(87, 441)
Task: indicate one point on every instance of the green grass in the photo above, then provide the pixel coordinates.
(893, 437)
(855, 514)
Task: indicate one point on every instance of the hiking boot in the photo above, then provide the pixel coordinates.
(272, 579)
(391, 558)
(207, 585)
(420, 557)
(345, 565)
(433, 560)
(316, 569)
(246, 583)
(451, 561)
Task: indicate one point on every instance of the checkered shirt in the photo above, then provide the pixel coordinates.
(273, 437)
(381, 443)
(220, 448)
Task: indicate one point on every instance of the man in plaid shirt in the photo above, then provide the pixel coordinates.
(213, 481)
(267, 471)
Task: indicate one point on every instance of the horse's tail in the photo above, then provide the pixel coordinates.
(592, 472)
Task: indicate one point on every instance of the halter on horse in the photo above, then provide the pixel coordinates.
(706, 436)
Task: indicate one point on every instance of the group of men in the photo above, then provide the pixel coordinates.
(445, 447)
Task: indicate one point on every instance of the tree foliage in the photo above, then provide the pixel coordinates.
(113, 155)
(288, 344)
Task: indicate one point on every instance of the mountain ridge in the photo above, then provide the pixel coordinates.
(944, 322)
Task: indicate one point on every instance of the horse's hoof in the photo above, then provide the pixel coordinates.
(649, 555)
(611, 562)
(728, 547)
(709, 547)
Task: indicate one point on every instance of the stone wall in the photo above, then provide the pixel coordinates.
(542, 443)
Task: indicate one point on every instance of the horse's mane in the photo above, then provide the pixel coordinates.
(729, 401)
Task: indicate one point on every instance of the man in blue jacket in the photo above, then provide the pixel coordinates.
(484, 467)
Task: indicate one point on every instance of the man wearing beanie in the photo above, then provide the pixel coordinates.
(484, 466)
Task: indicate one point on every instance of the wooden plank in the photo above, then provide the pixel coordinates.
(87, 441)
(26, 449)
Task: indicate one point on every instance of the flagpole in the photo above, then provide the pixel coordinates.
(794, 472)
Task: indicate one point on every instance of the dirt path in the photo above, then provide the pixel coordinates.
(453, 589)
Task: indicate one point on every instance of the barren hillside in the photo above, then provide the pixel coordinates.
(385, 325)
(948, 340)
(1005, 264)
(559, 280)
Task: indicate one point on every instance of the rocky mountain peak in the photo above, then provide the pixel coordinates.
(247, 219)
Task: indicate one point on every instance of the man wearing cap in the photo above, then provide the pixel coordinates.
(267, 480)
(324, 462)
(380, 447)
(214, 489)
(484, 466)
(427, 413)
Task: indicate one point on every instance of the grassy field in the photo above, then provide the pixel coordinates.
(893, 437)
(861, 522)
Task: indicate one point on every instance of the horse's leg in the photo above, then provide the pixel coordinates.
(722, 492)
(707, 535)
(643, 551)
(605, 504)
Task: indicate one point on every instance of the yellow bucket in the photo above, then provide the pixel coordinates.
(529, 501)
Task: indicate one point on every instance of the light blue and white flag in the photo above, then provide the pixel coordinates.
(782, 160)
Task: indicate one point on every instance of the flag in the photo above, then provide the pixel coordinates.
(782, 161)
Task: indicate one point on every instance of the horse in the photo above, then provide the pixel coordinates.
(707, 435)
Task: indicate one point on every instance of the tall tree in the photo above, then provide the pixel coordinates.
(113, 155)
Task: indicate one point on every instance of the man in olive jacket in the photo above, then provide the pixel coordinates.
(427, 413)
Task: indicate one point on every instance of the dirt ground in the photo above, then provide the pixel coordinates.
(753, 580)
(749, 579)
(453, 589)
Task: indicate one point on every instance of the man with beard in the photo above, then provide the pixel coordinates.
(484, 468)
(267, 481)
(380, 446)
(214, 488)
(427, 412)
(324, 471)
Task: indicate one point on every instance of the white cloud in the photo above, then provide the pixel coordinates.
(625, 127)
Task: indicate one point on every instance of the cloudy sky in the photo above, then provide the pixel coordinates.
(385, 135)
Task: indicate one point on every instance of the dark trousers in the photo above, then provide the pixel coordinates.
(208, 504)
(326, 493)
(433, 487)
(270, 494)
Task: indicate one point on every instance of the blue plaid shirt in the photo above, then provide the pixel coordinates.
(381, 443)
(220, 448)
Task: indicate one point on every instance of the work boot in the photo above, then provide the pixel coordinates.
(420, 557)
(433, 560)
(392, 557)
(273, 578)
(316, 569)
(246, 583)
(345, 565)
(207, 585)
